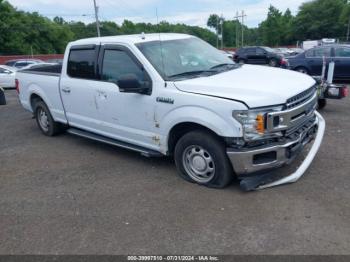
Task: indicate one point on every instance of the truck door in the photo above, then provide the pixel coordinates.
(78, 87)
(125, 116)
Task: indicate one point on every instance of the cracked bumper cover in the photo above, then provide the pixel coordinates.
(245, 162)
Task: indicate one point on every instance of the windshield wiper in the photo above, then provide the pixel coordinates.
(192, 73)
(223, 65)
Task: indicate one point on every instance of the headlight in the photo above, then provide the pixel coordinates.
(254, 122)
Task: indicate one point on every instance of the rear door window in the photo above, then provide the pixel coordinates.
(260, 51)
(82, 63)
(250, 51)
(342, 52)
(310, 53)
(321, 52)
(22, 64)
(11, 63)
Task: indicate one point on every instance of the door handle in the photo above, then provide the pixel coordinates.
(66, 90)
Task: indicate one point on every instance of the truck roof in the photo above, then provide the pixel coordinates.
(131, 39)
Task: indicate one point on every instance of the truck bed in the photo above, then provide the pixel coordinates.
(42, 81)
(53, 70)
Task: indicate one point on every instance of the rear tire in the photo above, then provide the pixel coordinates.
(45, 121)
(241, 61)
(273, 62)
(302, 70)
(201, 158)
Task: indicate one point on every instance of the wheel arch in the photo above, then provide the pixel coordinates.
(33, 99)
(193, 117)
(180, 129)
(296, 68)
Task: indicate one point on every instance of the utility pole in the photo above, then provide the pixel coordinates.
(217, 32)
(242, 26)
(348, 34)
(243, 15)
(97, 21)
(237, 23)
(222, 31)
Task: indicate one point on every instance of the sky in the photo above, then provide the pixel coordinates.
(191, 12)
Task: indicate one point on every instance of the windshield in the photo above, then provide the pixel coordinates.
(185, 58)
(268, 49)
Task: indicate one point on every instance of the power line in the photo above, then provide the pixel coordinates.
(66, 15)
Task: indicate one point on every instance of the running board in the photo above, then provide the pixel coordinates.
(144, 151)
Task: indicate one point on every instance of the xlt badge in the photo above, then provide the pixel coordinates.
(165, 100)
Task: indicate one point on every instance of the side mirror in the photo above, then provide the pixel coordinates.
(129, 83)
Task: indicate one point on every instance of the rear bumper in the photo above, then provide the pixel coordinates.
(246, 162)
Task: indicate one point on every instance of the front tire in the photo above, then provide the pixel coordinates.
(45, 120)
(322, 103)
(201, 158)
(273, 62)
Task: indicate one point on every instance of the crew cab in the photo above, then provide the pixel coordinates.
(175, 95)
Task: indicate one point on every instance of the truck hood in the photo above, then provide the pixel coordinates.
(256, 86)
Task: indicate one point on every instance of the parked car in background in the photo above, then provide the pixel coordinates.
(311, 61)
(287, 52)
(56, 61)
(228, 54)
(20, 63)
(38, 65)
(7, 76)
(259, 55)
(284, 51)
(297, 51)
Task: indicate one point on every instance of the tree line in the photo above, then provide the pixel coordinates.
(31, 33)
(315, 20)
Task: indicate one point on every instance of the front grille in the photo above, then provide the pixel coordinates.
(294, 131)
(300, 98)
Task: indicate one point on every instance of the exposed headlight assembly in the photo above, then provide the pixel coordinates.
(254, 123)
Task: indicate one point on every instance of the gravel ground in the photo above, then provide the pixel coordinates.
(68, 195)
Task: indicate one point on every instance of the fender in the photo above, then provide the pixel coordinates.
(201, 116)
(58, 115)
(34, 89)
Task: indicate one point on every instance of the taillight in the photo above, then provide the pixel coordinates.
(344, 91)
(284, 62)
(17, 86)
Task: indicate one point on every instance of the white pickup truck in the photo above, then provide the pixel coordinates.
(175, 95)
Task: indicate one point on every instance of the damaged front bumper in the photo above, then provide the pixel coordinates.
(252, 166)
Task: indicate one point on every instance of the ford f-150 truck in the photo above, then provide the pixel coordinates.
(175, 95)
